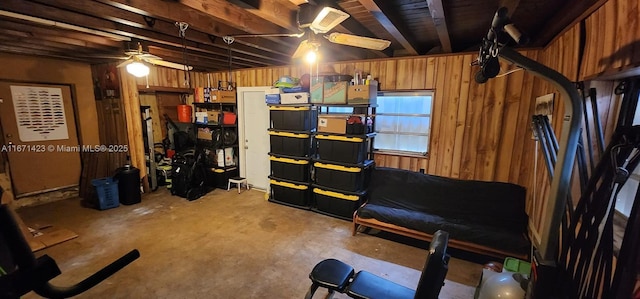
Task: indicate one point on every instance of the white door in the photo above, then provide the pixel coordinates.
(254, 137)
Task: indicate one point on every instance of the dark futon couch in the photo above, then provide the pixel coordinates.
(484, 217)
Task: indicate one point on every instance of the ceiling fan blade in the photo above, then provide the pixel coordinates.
(304, 47)
(146, 56)
(125, 62)
(327, 19)
(168, 64)
(358, 41)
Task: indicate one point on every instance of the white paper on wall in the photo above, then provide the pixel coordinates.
(39, 113)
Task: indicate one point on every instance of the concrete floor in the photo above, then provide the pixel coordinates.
(223, 245)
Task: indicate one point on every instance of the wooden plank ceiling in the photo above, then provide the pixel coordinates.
(98, 31)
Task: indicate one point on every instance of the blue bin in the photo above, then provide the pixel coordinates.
(107, 189)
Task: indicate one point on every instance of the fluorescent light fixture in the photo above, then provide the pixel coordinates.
(327, 19)
(137, 69)
(358, 41)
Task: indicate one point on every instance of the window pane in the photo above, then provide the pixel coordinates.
(342, 110)
(407, 130)
(413, 124)
(385, 141)
(386, 123)
(412, 143)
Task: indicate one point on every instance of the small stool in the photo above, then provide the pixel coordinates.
(238, 181)
(331, 274)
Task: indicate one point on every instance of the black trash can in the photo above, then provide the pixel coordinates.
(128, 184)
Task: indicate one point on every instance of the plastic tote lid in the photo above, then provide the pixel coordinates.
(286, 82)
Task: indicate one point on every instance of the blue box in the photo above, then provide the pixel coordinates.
(272, 98)
(107, 189)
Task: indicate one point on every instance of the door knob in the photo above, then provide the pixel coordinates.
(9, 135)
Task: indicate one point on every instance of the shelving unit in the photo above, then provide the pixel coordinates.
(333, 150)
(219, 139)
(343, 162)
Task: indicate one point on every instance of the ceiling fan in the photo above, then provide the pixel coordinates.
(135, 59)
(313, 21)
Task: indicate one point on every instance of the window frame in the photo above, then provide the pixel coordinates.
(420, 92)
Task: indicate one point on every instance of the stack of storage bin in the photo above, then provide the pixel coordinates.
(291, 136)
(341, 174)
(342, 170)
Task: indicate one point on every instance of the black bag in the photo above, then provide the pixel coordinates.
(188, 175)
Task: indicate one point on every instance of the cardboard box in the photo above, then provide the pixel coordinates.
(213, 116)
(363, 94)
(294, 98)
(223, 96)
(317, 90)
(204, 133)
(335, 92)
(335, 123)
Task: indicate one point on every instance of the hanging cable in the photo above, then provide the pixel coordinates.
(182, 29)
(229, 40)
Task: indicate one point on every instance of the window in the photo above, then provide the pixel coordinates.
(403, 121)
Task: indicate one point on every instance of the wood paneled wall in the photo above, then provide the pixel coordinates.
(612, 39)
(479, 131)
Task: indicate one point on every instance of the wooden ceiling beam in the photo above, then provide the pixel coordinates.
(375, 10)
(16, 37)
(436, 9)
(124, 30)
(234, 16)
(173, 11)
(280, 12)
(39, 51)
(129, 18)
(162, 50)
(47, 31)
(8, 37)
(32, 34)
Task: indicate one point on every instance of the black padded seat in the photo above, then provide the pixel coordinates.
(366, 285)
(331, 274)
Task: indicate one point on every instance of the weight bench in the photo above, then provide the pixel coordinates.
(337, 276)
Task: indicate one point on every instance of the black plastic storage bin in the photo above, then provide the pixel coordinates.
(290, 143)
(219, 177)
(347, 177)
(342, 148)
(294, 118)
(340, 204)
(297, 194)
(290, 168)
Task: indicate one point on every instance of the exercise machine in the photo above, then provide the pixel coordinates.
(22, 272)
(337, 276)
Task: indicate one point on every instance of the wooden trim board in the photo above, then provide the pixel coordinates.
(373, 223)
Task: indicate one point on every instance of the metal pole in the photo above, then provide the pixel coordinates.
(560, 185)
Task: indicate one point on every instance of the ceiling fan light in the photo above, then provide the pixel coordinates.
(137, 69)
(311, 56)
(358, 41)
(327, 19)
